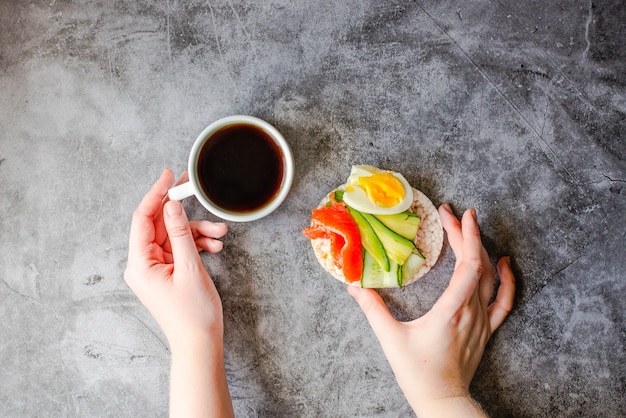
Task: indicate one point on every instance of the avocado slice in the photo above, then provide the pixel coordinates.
(404, 223)
(370, 240)
(397, 247)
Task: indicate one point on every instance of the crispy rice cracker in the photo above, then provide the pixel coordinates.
(429, 238)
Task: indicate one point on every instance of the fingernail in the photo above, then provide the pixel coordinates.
(174, 208)
(217, 246)
(352, 290)
(446, 207)
(507, 259)
(473, 213)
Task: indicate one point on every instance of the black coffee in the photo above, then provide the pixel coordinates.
(240, 169)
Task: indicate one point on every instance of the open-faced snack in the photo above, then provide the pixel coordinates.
(376, 230)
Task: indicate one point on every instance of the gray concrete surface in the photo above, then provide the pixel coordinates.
(514, 108)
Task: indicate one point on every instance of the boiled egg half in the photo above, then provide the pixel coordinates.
(379, 192)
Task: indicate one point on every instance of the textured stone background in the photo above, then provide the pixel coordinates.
(514, 108)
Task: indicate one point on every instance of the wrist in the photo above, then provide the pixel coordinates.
(457, 406)
(198, 378)
(202, 344)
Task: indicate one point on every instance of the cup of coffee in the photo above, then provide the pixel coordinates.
(240, 169)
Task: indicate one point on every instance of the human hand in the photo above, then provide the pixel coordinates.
(165, 270)
(434, 357)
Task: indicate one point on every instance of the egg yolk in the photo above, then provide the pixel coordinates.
(383, 189)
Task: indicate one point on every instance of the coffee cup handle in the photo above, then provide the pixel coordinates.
(181, 191)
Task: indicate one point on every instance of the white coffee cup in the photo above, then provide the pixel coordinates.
(240, 156)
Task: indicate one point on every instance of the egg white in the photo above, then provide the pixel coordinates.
(356, 197)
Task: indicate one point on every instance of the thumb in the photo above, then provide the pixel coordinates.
(374, 308)
(178, 229)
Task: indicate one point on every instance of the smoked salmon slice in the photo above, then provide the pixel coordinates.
(334, 222)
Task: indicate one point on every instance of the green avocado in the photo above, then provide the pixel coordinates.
(397, 247)
(370, 240)
(404, 223)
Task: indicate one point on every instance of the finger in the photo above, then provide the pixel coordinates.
(142, 230)
(503, 303)
(487, 277)
(209, 245)
(204, 233)
(468, 272)
(487, 280)
(160, 231)
(374, 308)
(160, 234)
(181, 239)
(472, 245)
(453, 228)
(183, 178)
(208, 229)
